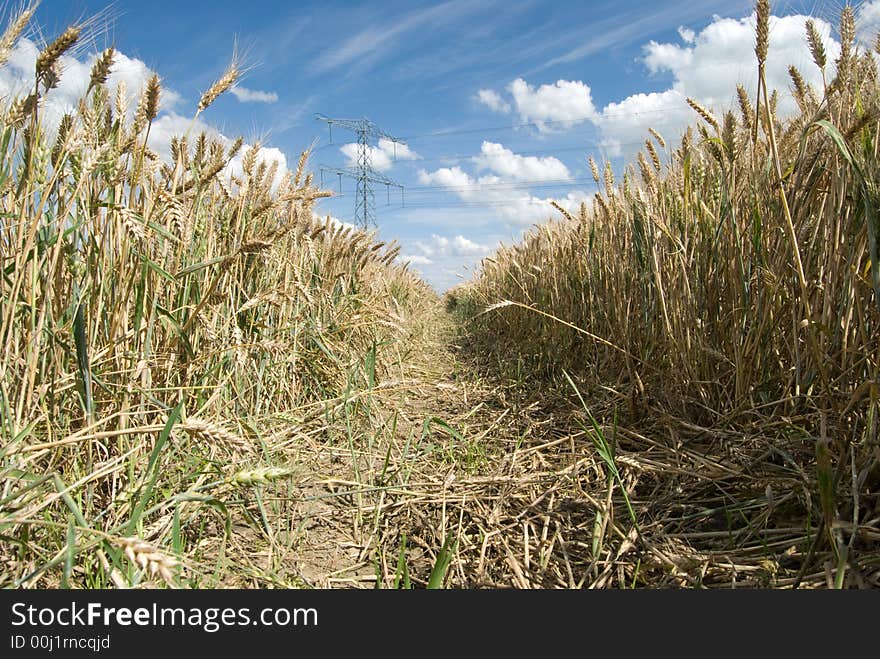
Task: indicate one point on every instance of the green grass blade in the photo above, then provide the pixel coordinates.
(152, 469)
(441, 565)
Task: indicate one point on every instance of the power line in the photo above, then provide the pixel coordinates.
(586, 145)
(551, 122)
(474, 203)
(469, 204)
(459, 157)
(478, 187)
(534, 124)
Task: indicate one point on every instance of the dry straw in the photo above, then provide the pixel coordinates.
(149, 559)
(213, 433)
(715, 282)
(712, 322)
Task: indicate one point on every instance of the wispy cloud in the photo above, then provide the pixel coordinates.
(624, 29)
(375, 41)
(290, 115)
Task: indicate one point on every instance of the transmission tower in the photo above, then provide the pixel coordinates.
(364, 174)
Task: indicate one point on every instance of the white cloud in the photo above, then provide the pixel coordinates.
(687, 35)
(382, 157)
(868, 22)
(667, 56)
(440, 247)
(446, 177)
(397, 150)
(561, 105)
(624, 125)
(517, 207)
(17, 77)
(505, 162)
(708, 69)
(493, 101)
(441, 260)
(245, 95)
(567, 103)
(706, 65)
(459, 246)
(416, 259)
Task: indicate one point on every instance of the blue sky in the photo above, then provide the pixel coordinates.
(499, 103)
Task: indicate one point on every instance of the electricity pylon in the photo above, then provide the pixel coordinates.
(364, 174)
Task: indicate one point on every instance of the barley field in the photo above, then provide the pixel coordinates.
(205, 384)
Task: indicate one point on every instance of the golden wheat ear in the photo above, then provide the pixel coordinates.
(14, 30)
(230, 76)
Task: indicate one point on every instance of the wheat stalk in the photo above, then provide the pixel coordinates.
(645, 170)
(20, 109)
(121, 101)
(594, 168)
(745, 107)
(609, 180)
(762, 30)
(847, 42)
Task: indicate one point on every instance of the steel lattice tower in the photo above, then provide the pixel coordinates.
(364, 175)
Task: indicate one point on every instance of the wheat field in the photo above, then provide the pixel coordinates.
(204, 384)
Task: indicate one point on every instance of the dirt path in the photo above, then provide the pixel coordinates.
(448, 452)
(439, 449)
(349, 521)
